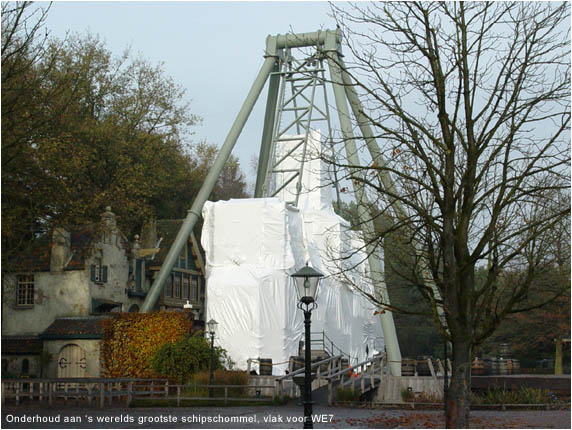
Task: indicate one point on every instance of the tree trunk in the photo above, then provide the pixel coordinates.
(458, 394)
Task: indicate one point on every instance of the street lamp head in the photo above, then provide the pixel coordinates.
(307, 280)
(211, 327)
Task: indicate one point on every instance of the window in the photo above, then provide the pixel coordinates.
(177, 292)
(169, 287)
(98, 272)
(138, 274)
(195, 289)
(25, 290)
(186, 284)
(25, 366)
(183, 258)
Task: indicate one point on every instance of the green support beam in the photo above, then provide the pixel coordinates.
(195, 212)
(332, 48)
(269, 117)
(329, 40)
(387, 181)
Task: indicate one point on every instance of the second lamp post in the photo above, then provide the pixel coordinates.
(307, 280)
(211, 328)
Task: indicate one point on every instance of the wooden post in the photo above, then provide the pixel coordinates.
(441, 368)
(178, 395)
(130, 393)
(17, 393)
(431, 369)
(89, 394)
(167, 389)
(558, 356)
(371, 375)
(101, 394)
(50, 393)
(353, 382)
(225, 395)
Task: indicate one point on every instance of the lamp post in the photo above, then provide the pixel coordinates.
(307, 280)
(211, 328)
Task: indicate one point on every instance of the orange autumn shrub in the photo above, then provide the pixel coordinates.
(131, 340)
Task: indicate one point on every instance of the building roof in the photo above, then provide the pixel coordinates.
(168, 229)
(21, 345)
(75, 328)
(37, 259)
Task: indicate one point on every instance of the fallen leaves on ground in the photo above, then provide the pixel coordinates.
(426, 420)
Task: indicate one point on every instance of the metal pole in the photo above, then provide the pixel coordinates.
(374, 260)
(301, 39)
(384, 176)
(307, 372)
(268, 131)
(210, 181)
(211, 368)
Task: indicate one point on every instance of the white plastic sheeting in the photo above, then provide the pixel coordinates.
(252, 247)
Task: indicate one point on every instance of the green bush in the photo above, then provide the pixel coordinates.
(180, 360)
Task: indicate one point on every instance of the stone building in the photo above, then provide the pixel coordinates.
(56, 296)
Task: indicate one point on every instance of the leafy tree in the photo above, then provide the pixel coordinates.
(472, 103)
(83, 129)
(182, 359)
(230, 184)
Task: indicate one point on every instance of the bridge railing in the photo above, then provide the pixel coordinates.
(324, 369)
(372, 369)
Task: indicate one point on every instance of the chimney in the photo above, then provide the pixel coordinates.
(149, 234)
(109, 220)
(61, 249)
(109, 226)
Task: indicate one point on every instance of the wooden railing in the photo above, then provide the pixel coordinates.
(178, 393)
(104, 391)
(331, 365)
(89, 389)
(372, 369)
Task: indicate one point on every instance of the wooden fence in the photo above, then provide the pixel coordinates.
(113, 391)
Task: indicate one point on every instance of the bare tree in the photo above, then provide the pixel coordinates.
(471, 104)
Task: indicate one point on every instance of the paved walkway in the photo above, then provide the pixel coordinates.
(271, 417)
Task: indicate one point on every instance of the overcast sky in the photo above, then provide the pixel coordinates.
(213, 49)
